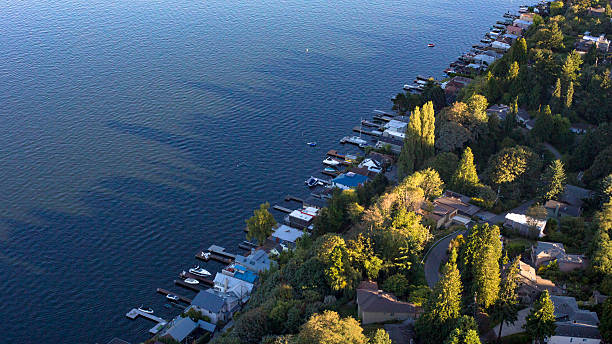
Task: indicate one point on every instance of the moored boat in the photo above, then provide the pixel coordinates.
(172, 297)
(198, 271)
(144, 309)
(192, 281)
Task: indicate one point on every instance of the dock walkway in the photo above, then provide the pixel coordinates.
(135, 313)
(181, 298)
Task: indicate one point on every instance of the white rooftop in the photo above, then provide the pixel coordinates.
(286, 233)
(299, 214)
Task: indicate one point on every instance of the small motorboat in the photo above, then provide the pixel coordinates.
(205, 255)
(198, 271)
(431, 45)
(331, 162)
(192, 281)
(330, 169)
(144, 309)
(311, 182)
(312, 144)
(172, 297)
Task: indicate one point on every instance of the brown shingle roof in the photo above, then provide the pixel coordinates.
(374, 300)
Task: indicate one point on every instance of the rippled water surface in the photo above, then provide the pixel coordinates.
(133, 133)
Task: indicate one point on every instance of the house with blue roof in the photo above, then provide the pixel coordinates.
(257, 261)
(240, 272)
(349, 180)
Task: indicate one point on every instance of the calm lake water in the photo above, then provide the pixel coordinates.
(134, 133)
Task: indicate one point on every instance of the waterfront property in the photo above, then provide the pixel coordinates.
(185, 330)
(258, 260)
(286, 235)
(394, 144)
(349, 180)
(217, 306)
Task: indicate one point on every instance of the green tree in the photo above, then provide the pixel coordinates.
(571, 67)
(602, 257)
(408, 157)
(381, 337)
(486, 268)
(251, 326)
(427, 180)
(540, 323)
(552, 181)
(445, 163)
(519, 51)
(397, 285)
(569, 95)
(332, 251)
(555, 100)
(465, 178)
(260, 224)
(442, 308)
(505, 310)
(329, 328)
(604, 217)
(513, 72)
(427, 133)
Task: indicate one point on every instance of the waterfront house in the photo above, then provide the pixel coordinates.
(525, 225)
(302, 218)
(240, 272)
(484, 58)
(376, 306)
(522, 24)
(514, 30)
(215, 305)
(185, 330)
(453, 86)
(500, 45)
(383, 160)
(257, 261)
(528, 17)
(287, 236)
(372, 165)
(545, 252)
(394, 144)
(364, 171)
(231, 285)
(394, 134)
(349, 180)
(396, 125)
(573, 325)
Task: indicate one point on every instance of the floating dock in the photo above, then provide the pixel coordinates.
(334, 153)
(331, 174)
(360, 130)
(218, 250)
(135, 313)
(290, 198)
(181, 298)
(281, 209)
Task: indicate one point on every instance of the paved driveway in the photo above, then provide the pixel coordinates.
(436, 256)
(517, 327)
(518, 210)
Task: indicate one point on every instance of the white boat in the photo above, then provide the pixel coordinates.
(312, 181)
(172, 297)
(356, 140)
(191, 281)
(198, 271)
(331, 162)
(205, 255)
(147, 310)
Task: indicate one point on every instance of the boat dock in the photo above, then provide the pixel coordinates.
(360, 130)
(334, 154)
(202, 280)
(370, 124)
(290, 198)
(192, 287)
(212, 256)
(181, 298)
(281, 209)
(220, 251)
(331, 174)
(135, 313)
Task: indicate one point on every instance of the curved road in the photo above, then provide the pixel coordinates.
(436, 256)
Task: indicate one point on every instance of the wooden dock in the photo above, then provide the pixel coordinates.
(135, 313)
(290, 198)
(334, 153)
(220, 251)
(181, 298)
(332, 174)
(360, 130)
(212, 256)
(281, 209)
(202, 280)
(187, 285)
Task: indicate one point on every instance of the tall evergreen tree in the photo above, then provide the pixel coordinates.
(427, 133)
(412, 145)
(569, 95)
(540, 323)
(465, 178)
(442, 308)
(505, 309)
(552, 182)
(486, 268)
(555, 100)
(519, 51)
